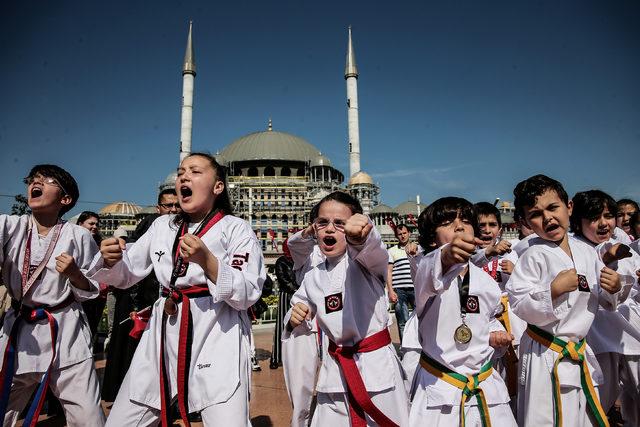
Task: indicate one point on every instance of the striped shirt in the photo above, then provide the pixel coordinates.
(401, 275)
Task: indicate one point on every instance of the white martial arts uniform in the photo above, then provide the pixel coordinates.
(219, 371)
(438, 308)
(568, 318)
(80, 398)
(301, 361)
(358, 280)
(523, 244)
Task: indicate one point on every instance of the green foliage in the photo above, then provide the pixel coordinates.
(271, 300)
(20, 207)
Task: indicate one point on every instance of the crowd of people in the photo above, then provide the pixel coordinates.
(543, 330)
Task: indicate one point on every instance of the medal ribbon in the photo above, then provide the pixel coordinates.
(359, 399)
(494, 269)
(575, 352)
(511, 356)
(28, 281)
(470, 385)
(183, 296)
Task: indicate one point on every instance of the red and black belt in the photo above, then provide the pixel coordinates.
(359, 399)
(29, 315)
(173, 298)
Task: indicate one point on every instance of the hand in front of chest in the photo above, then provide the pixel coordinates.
(66, 265)
(507, 266)
(610, 280)
(565, 281)
(499, 249)
(357, 228)
(193, 249)
(616, 253)
(411, 249)
(458, 251)
(299, 313)
(498, 339)
(111, 251)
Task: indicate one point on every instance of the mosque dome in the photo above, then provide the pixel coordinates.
(169, 181)
(269, 145)
(320, 160)
(410, 207)
(360, 178)
(121, 208)
(382, 208)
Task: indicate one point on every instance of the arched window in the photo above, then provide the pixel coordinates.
(300, 172)
(253, 171)
(269, 171)
(285, 171)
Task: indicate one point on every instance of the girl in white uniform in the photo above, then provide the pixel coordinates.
(196, 344)
(456, 304)
(343, 264)
(613, 337)
(556, 286)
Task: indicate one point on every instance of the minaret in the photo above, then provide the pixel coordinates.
(188, 77)
(351, 76)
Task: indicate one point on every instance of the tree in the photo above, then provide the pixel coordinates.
(20, 207)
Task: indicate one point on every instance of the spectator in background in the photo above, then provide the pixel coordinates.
(399, 283)
(287, 286)
(626, 208)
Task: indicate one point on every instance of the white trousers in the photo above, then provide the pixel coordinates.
(76, 387)
(448, 416)
(300, 362)
(630, 397)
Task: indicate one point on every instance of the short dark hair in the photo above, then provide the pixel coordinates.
(403, 226)
(338, 196)
(86, 215)
(64, 178)
(623, 202)
(633, 222)
(171, 191)
(527, 191)
(440, 211)
(589, 205)
(486, 209)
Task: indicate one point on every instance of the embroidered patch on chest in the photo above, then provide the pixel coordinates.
(583, 285)
(472, 304)
(333, 303)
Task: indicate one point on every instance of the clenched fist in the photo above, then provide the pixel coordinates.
(459, 250)
(357, 228)
(66, 265)
(507, 266)
(411, 249)
(610, 280)
(299, 313)
(500, 248)
(499, 339)
(192, 249)
(616, 253)
(111, 251)
(565, 281)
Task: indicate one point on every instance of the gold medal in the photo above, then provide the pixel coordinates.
(170, 306)
(462, 334)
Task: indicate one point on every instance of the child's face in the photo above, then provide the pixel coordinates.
(624, 215)
(489, 229)
(329, 228)
(600, 229)
(197, 186)
(91, 224)
(549, 217)
(449, 230)
(45, 194)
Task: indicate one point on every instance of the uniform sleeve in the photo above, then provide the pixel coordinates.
(304, 327)
(626, 268)
(239, 283)
(430, 280)
(8, 226)
(301, 249)
(530, 293)
(371, 254)
(86, 252)
(136, 263)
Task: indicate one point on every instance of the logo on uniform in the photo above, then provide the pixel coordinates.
(159, 253)
(182, 269)
(583, 285)
(472, 304)
(333, 303)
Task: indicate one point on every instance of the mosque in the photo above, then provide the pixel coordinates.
(275, 178)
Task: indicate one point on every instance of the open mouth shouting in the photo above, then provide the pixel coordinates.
(36, 192)
(185, 193)
(329, 241)
(603, 232)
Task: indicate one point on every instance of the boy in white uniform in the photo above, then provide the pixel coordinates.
(556, 287)
(343, 264)
(196, 344)
(613, 337)
(45, 337)
(456, 304)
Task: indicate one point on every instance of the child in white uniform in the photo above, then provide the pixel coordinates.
(196, 344)
(343, 264)
(612, 337)
(556, 287)
(44, 261)
(456, 304)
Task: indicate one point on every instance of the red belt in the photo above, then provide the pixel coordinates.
(184, 352)
(359, 399)
(29, 315)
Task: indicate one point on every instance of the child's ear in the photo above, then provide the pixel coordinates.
(218, 188)
(570, 207)
(66, 200)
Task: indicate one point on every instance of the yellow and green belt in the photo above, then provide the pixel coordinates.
(470, 385)
(575, 352)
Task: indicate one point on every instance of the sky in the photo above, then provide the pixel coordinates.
(458, 98)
